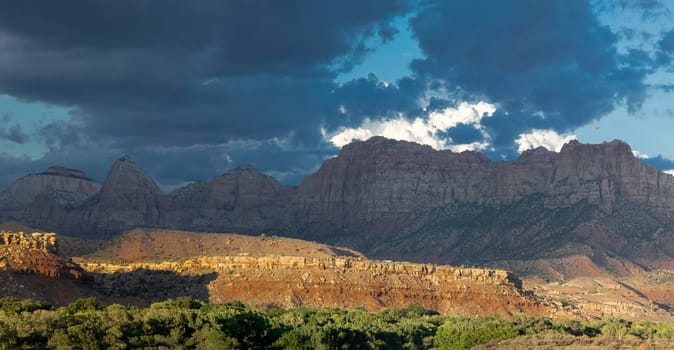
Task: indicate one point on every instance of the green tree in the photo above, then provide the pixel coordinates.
(8, 337)
(464, 333)
(84, 304)
(236, 320)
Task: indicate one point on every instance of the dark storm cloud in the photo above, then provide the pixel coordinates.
(175, 71)
(546, 64)
(228, 37)
(177, 82)
(464, 134)
(14, 134)
(59, 134)
(93, 160)
(190, 90)
(281, 158)
(172, 167)
(14, 168)
(373, 98)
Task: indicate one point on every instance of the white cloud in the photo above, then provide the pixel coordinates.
(348, 135)
(465, 113)
(640, 155)
(670, 172)
(549, 139)
(423, 131)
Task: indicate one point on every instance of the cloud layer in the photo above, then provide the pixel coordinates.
(545, 64)
(428, 131)
(193, 90)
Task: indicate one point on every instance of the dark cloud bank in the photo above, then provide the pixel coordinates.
(192, 90)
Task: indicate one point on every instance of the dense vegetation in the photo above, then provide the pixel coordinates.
(185, 323)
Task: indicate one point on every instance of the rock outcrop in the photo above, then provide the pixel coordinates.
(381, 180)
(44, 199)
(241, 200)
(385, 182)
(67, 187)
(128, 198)
(289, 281)
(34, 254)
(36, 241)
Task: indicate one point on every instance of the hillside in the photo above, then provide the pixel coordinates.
(142, 245)
(144, 266)
(396, 200)
(273, 272)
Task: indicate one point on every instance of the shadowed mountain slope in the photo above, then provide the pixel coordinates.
(400, 200)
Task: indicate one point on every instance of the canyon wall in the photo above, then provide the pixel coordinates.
(382, 179)
(288, 281)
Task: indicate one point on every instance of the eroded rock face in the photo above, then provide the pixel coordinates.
(34, 254)
(129, 198)
(378, 180)
(66, 186)
(44, 199)
(400, 199)
(35, 241)
(288, 281)
(241, 199)
(382, 179)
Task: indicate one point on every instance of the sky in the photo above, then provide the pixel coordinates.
(192, 90)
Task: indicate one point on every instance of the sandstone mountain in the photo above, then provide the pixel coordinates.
(128, 198)
(44, 199)
(242, 200)
(395, 199)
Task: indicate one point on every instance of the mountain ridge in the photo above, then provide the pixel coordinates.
(402, 200)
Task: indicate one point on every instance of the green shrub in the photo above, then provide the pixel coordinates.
(464, 333)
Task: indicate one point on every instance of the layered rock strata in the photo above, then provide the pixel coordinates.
(66, 186)
(382, 179)
(397, 199)
(128, 198)
(273, 281)
(34, 254)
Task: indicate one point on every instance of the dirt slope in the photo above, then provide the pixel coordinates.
(160, 245)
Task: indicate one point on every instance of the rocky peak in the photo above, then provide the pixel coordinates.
(241, 199)
(383, 182)
(67, 186)
(616, 147)
(376, 186)
(126, 176)
(243, 185)
(244, 179)
(247, 171)
(129, 198)
(377, 145)
(538, 154)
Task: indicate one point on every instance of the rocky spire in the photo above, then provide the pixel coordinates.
(126, 176)
(129, 198)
